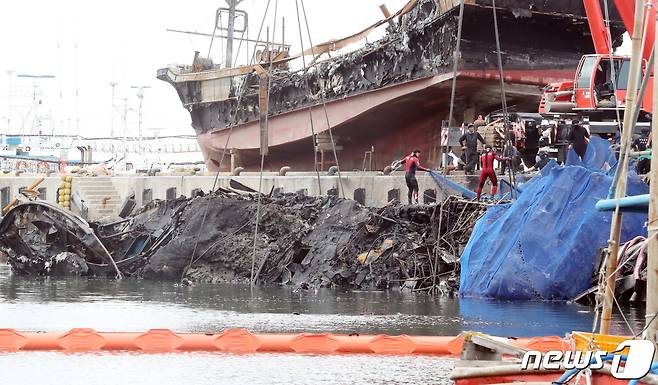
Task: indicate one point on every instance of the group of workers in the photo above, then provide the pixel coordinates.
(533, 158)
(469, 142)
(412, 164)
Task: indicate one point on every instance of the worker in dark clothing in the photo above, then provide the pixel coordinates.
(561, 140)
(411, 165)
(488, 171)
(531, 147)
(514, 160)
(542, 159)
(641, 144)
(579, 138)
(469, 143)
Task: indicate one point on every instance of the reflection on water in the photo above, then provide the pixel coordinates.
(207, 368)
(130, 305)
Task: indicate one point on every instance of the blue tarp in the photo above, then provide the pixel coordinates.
(13, 140)
(544, 245)
(444, 182)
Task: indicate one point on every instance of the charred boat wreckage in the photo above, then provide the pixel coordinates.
(390, 95)
(301, 241)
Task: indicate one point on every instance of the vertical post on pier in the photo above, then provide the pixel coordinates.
(263, 99)
(622, 167)
(652, 260)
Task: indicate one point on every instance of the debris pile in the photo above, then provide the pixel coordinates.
(631, 274)
(302, 241)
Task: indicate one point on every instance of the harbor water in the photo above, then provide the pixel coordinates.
(134, 305)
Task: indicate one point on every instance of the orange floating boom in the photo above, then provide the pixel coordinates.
(243, 341)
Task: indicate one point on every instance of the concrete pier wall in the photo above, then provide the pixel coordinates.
(371, 189)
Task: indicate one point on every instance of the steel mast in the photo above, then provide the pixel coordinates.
(232, 4)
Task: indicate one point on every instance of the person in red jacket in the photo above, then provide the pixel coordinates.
(411, 165)
(486, 159)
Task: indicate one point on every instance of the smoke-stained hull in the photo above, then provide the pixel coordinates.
(392, 95)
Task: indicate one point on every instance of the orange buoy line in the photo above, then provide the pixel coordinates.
(243, 341)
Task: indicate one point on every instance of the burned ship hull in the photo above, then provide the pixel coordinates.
(391, 95)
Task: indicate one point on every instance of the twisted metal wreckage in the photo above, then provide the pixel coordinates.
(302, 241)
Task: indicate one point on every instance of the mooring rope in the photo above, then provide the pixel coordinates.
(310, 107)
(262, 155)
(506, 122)
(612, 63)
(455, 67)
(324, 104)
(228, 138)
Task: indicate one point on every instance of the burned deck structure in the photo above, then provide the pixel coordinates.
(392, 94)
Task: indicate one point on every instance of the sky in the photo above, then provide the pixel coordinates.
(87, 45)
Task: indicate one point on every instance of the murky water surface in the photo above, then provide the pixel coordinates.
(59, 305)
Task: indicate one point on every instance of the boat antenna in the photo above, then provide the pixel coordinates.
(140, 96)
(113, 84)
(10, 74)
(77, 94)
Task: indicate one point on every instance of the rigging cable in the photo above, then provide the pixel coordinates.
(324, 104)
(506, 122)
(222, 50)
(310, 107)
(212, 38)
(262, 155)
(624, 146)
(455, 65)
(612, 64)
(237, 53)
(228, 138)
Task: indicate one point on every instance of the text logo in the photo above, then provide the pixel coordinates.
(636, 365)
